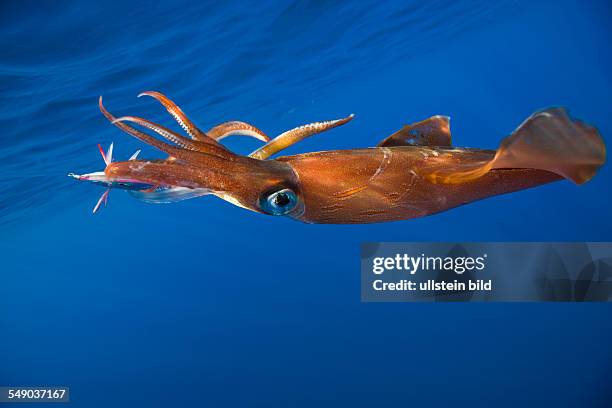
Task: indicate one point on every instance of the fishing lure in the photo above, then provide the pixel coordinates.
(412, 173)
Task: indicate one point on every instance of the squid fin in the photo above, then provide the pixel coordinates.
(434, 131)
(548, 140)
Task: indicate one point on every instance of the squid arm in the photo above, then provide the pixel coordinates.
(295, 135)
(173, 109)
(174, 151)
(233, 128)
(216, 133)
(174, 137)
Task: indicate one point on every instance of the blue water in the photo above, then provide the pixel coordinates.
(201, 303)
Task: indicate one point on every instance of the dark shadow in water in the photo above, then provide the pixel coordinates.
(554, 281)
(458, 251)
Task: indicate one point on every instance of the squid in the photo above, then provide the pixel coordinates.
(412, 173)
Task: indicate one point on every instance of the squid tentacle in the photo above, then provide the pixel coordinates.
(166, 133)
(295, 135)
(173, 109)
(174, 137)
(236, 127)
(173, 151)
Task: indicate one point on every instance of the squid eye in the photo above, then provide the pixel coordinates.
(280, 202)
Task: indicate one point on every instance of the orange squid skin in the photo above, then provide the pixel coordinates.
(412, 173)
(383, 184)
(346, 186)
(242, 180)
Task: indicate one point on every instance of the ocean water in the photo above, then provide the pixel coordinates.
(202, 303)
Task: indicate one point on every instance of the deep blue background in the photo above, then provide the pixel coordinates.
(202, 303)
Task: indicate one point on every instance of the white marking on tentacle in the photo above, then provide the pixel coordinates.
(174, 111)
(295, 135)
(236, 127)
(180, 122)
(242, 133)
(157, 129)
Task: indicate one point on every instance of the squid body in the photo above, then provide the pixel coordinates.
(412, 173)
